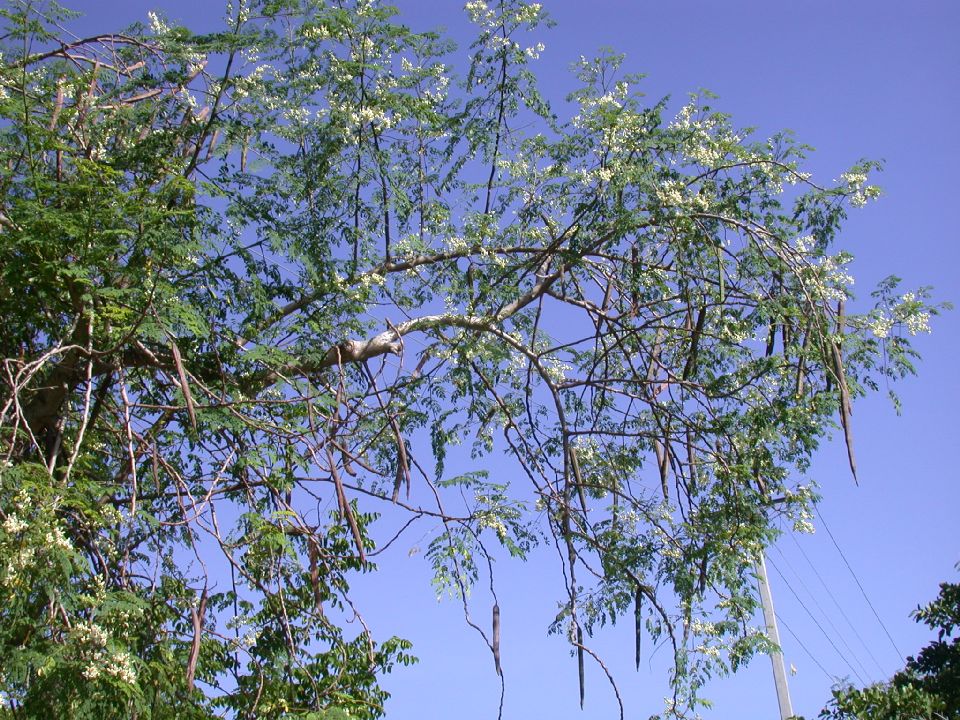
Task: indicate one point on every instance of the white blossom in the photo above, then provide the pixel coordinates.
(805, 243)
(56, 539)
(918, 322)
(315, 32)
(881, 326)
(14, 525)
(120, 666)
(478, 10)
(856, 179)
(671, 192)
(157, 26)
(90, 634)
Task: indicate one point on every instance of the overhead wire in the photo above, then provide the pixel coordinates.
(832, 678)
(839, 607)
(826, 616)
(859, 584)
(816, 622)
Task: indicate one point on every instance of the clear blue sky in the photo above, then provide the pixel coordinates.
(854, 79)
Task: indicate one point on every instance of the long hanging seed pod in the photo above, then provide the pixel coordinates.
(58, 106)
(662, 451)
(580, 662)
(344, 506)
(845, 409)
(772, 339)
(691, 458)
(314, 554)
(196, 616)
(213, 144)
(575, 465)
(841, 325)
(691, 364)
(637, 622)
(184, 385)
(802, 362)
(723, 291)
(243, 153)
(403, 466)
(615, 510)
(495, 644)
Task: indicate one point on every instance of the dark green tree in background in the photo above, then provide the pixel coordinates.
(257, 284)
(928, 687)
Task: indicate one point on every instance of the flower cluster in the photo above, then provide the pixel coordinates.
(13, 525)
(478, 11)
(909, 311)
(861, 192)
(157, 25)
(118, 665)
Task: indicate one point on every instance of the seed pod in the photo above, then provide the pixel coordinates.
(495, 645)
(637, 623)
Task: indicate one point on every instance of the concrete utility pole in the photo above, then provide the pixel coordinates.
(776, 658)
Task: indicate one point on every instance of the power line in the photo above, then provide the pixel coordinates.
(832, 678)
(859, 585)
(817, 623)
(824, 613)
(837, 604)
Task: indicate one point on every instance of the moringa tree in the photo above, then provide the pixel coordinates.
(258, 283)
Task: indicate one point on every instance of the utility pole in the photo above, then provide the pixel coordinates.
(776, 657)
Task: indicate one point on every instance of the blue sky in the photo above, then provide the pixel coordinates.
(853, 79)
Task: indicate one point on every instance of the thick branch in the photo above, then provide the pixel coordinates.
(389, 341)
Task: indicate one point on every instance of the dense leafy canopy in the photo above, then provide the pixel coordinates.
(259, 284)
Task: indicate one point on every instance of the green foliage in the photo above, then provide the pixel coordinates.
(883, 702)
(936, 669)
(928, 687)
(251, 279)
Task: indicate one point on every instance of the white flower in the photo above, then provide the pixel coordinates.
(56, 539)
(671, 193)
(297, 116)
(316, 32)
(804, 525)
(120, 666)
(701, 627)
(918, 322)
(529, 13)
(534, 52)
(157, 26)
(477, 10)
(863, 196)
(90, 633)
(14, 525)
(683, 119)
(854, 178)
(881, 326)
(806, 243)
(704, 153)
